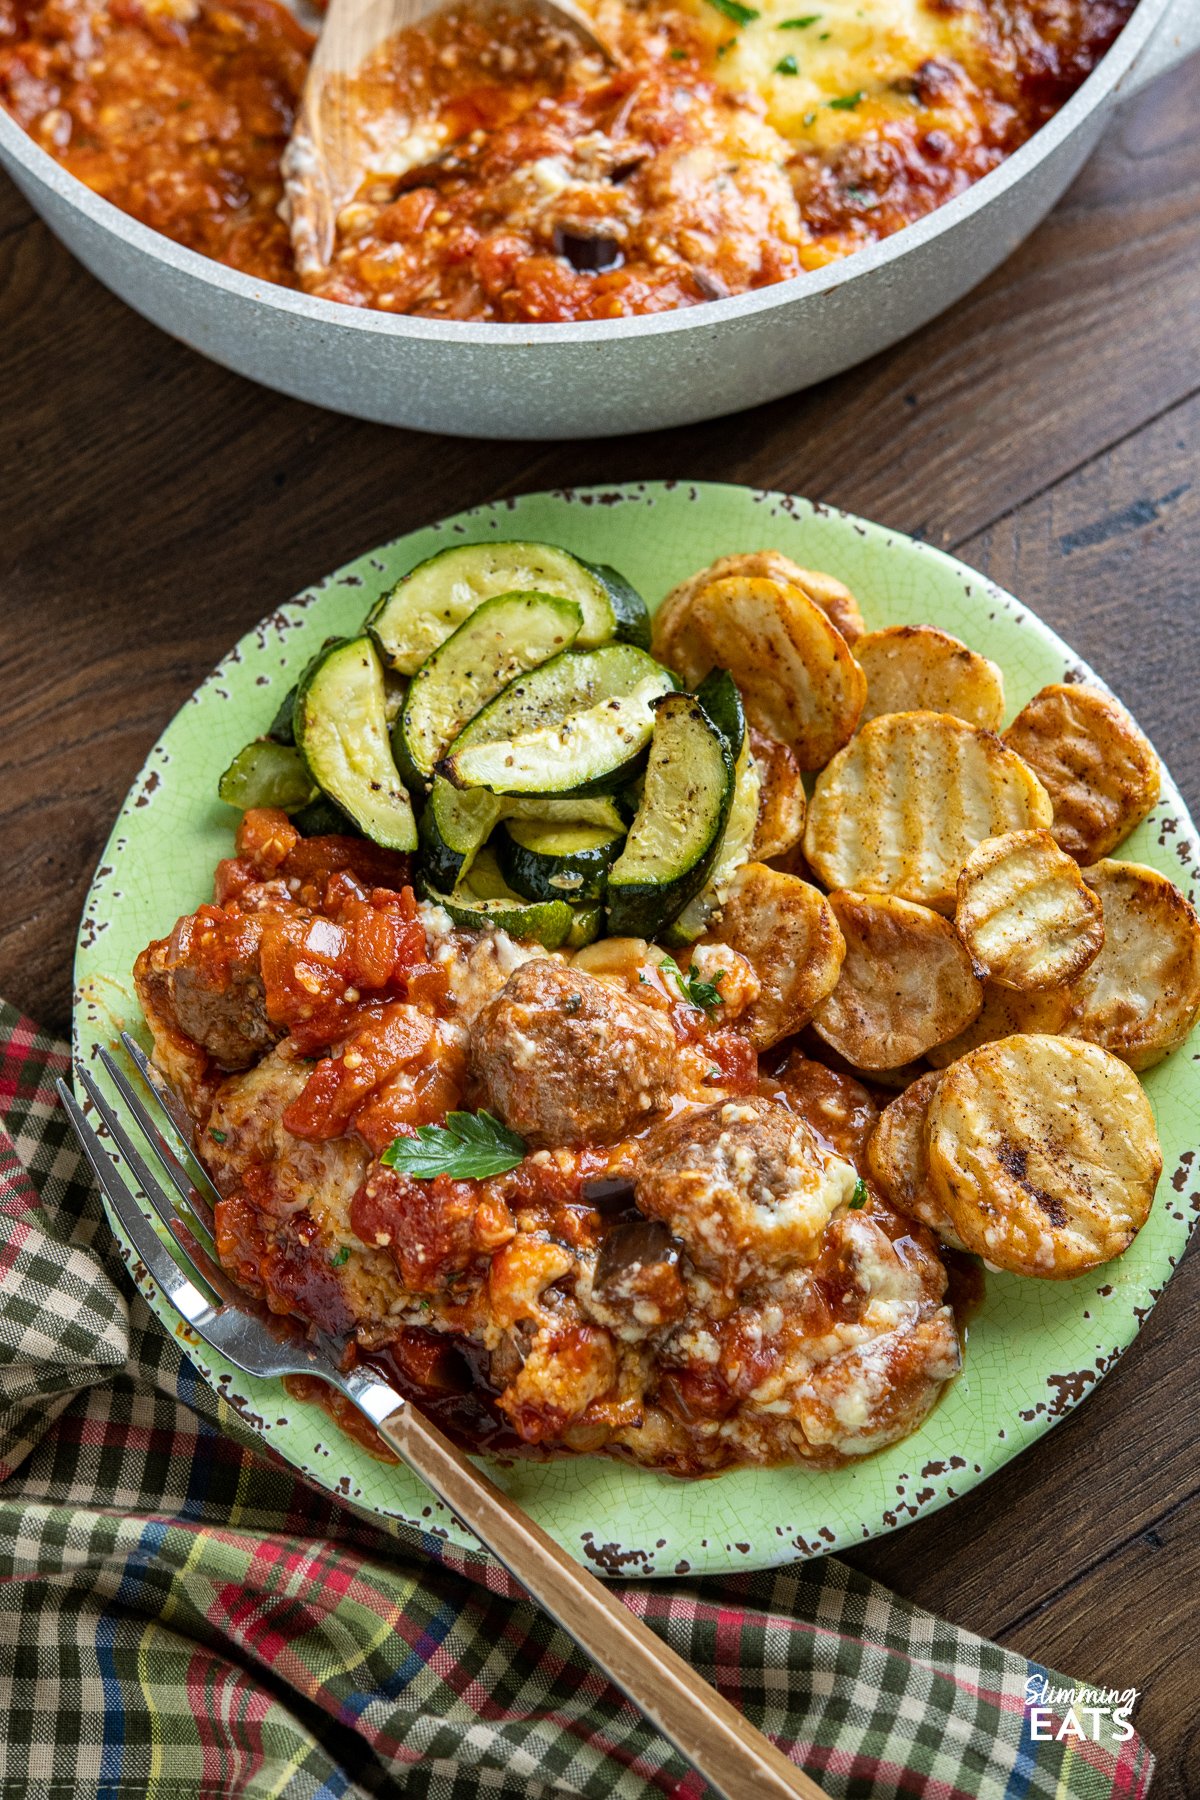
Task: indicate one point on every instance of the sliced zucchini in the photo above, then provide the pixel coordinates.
(587, 922)
(737, 845)
(321, 818)
(433, 599)
(280, 730)
(485, 902)
(457, 822)
(265, 773)
(501, 639)
(578, 724)
(557, 861)
(721, 699)
(674, 840)
(341, 730)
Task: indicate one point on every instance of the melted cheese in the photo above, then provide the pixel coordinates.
(867, 48)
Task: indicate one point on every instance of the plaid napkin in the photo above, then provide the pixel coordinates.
(182, 1615)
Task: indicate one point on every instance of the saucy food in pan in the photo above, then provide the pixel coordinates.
(736, 146)
(617, 1030)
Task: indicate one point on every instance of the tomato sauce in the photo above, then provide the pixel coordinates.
(556, 187)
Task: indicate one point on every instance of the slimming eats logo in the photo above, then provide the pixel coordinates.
(1085, 1714)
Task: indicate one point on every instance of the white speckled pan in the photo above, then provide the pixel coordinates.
(1035, 1349)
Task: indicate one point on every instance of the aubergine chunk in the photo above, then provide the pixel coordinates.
(565, 1058)
(205, 980)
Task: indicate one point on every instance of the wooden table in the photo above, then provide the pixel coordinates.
(153, 507)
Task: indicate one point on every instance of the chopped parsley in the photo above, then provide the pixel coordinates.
(726, 47)
(698, 992)
(846, 102)
(218, 1137)
(787, 65)
(679, 56)
(858, 1198)
(799, 24)
(341, 1255)
(469, 1147)
(733, 9)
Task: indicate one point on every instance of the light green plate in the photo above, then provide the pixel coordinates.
(1035, 1349)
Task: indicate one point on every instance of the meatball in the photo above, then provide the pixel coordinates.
(206, 981)
(745, 1184)
(566, 1059)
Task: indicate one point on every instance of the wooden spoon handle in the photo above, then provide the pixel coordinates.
(736, 1760)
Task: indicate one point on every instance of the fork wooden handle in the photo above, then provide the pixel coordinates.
(737, 1761)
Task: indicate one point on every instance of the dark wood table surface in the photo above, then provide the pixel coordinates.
(153, 507)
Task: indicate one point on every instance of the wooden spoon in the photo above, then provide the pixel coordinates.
(333, 146)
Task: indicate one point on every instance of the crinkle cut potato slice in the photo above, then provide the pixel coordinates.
(907, 982)
(1100, 772)
(788, 933)
(1006, 1011)
(1044, 1153)
(1025, 912)
(674, 645)
(901, 808)
(1141, 996)
(782, 802)
(917, 668)
(897, 1156)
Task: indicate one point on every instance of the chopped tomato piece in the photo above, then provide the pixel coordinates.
(385, 1038)
(266, 838)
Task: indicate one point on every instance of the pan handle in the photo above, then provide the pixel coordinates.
(1177, 37)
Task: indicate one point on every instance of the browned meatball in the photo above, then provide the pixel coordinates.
(567, 1059)
(745, 1184)
(206, 981)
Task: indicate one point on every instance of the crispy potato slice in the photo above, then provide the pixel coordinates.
(1044, 1153)
(1141, 996)
(1100, 772)
(901, 808)
(674, 646)
(897, 1156)
(1006, 1011)
(788, 933)
(782, 802)
(1025, 913)
(906, 983)
(797, 677)
(917, 668)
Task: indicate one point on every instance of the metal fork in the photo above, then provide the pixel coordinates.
(736, 1760)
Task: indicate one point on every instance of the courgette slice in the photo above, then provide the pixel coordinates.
(557, 861)
(456, 823)
(501, 639)
(432, 600)
(485, 902)
(321, 818)
(281, 730)
(265, 773)
(578, 724)
(674, 840)
(721, 699)
(341, 731)
(737, 845)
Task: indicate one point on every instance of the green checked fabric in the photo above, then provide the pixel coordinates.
(182, 1615)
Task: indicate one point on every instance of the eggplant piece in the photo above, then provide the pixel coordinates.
(587, 255)
(609, 1194)
(630, 1248)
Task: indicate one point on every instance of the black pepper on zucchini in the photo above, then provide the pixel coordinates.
(485, 902)
(577, 724)
(680, 822)
(501, 639)
(567, 861)
(432, 600)
(342, 734)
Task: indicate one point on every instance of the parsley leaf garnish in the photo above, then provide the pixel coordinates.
(733, 9)
(218, 1137)
(846, 102)
(469, 1146)
(341, 1255)
(858, 1198)
(704, 994)
(787, 65)
(799, 24)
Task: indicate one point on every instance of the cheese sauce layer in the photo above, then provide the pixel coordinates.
(734, 147)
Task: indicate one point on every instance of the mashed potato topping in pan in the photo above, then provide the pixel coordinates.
(608, 1091)
(736, 146)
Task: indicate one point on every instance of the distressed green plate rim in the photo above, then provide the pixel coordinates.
(1034, 1350)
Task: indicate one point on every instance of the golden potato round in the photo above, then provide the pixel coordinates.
(906, 983)
(782, 802)
(1025, 912)
(1141, 996)
(674, 646)
(917, 668)
(901, 808)
(1006, 1011)
(798, 680)
(788, 933)
(898, 1159)
(1044, 1153)
(1100, 772)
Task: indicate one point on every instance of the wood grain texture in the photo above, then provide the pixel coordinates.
(1047, 429)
